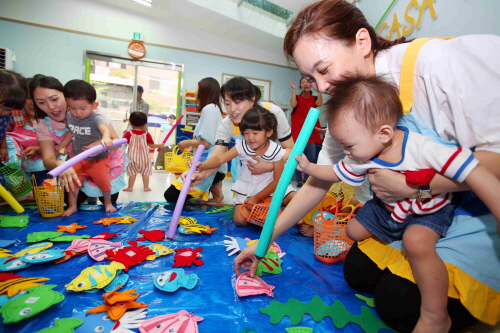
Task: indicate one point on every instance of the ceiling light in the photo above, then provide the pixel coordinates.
(147, 3)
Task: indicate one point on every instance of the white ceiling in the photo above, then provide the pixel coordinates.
(215, 19)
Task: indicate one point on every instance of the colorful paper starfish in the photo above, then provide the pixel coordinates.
(107, 221)
(116, 304)
(71, 228)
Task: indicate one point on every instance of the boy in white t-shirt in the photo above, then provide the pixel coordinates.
(362, 117)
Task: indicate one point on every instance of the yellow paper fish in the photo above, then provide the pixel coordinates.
(34, 249)
(5, 253)
(95, 277)
(183, 220)
(128, 219)
(15, 286)
(160, 250)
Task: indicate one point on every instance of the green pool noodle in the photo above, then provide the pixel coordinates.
(286, 177)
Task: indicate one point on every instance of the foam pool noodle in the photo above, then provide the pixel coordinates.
(172, 129)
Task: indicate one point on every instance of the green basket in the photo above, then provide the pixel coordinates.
(15, 179)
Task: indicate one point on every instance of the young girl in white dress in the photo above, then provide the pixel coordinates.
(259, 128)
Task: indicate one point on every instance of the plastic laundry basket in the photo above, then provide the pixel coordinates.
(16, 181)
(49, 198)
(331, 243)
(177, 162)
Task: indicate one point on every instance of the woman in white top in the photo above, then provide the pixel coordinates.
(240, 95)
(455, 99)
(208, 100)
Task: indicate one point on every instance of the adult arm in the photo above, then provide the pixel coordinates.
(215, 162)
(293, 99)
(198, 177)
(193, 144)
(313, 191)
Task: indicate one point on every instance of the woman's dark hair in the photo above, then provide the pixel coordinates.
(260, 119)
(13, 90)
(240, 89)
(208, 93)
(80, 90)
(334, 20)
(42, 81)
(138, 119)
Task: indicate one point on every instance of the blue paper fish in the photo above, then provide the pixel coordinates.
(174, 279)
(11, 264)
(43, 256)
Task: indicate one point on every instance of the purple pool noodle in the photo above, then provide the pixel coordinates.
(182, 196)
(83, 155)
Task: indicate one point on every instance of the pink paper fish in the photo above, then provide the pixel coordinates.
(179, 322)
(246, 286)
(79, 245)
(97, 248)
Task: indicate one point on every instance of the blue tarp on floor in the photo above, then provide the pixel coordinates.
(214, 298)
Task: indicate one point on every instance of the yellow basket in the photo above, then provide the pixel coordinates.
(49, 198)
(341, 191)
(331, 243)
(177, 162)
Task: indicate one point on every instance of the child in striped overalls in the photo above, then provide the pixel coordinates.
(139, 142)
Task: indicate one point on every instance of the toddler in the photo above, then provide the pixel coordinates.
(259, 129)
(362, 117)
(139, 142)
(85, 128)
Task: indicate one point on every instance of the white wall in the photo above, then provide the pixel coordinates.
(453, 17)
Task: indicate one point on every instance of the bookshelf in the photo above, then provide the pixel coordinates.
(191, 109)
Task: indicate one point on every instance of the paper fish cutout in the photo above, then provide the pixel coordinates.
(33, 249)
(127, 219)
(187, 257)
(246, 286)
(193, 229)
(68, 238)
(130, 255)
(174, 279)
(15, 286)
(120, 280)
(271, 263)
(93, 322)
(4, 298)
(43, 256)
(14, 221)
(97, 248)
(5, 253)
(159, 250)
(11, 264)
(68, 255)
(105, 235)
(79, 245)
(94, 277)
(37, 299)
(71, 228)
(9, 276)
(179, 322)
(152, 236)
(35, 237)
(183, 220)
(64, 325)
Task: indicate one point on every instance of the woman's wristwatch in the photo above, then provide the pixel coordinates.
(424, 192)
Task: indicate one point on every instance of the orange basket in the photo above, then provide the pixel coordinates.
(258, 212)
(176, 161)
(331, 243)
(49, 198)
(341, 191)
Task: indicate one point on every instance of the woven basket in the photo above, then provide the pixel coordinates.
(342, 192)
(15, 180)
(49, 199)
(331, 243)
(258, 212)
(176, 161)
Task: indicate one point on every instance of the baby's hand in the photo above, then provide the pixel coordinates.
(303, 163)
(107, 142)
(200, 166)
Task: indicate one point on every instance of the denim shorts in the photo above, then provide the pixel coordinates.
(377, 220)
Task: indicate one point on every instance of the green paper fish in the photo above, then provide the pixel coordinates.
(14, 221)
(271, 263)
(37, 299)
(65, 325)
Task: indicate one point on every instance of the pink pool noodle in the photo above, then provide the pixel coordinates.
(83, 155)
(172, 129)
(182, 196)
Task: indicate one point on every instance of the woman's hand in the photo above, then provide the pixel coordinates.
(31, 151)
(390, 185)
(68, 179)
(292, 85)
(260, 167)
(196, 178)
(247, 260)
(184, 146)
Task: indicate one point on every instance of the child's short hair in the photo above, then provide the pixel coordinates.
(172, 116)
(78, 90)
(372, 100)
(260, 119)
(140, 89)
(13, 89)
(138, 119)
